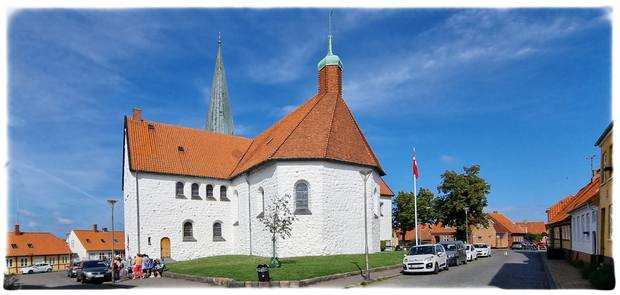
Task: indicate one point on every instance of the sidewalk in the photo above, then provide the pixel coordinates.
(353, 281)
(565, 276)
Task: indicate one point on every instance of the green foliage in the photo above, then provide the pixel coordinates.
(403, 216)
(603, 277)
(243, 268)
(533, 237)
(383, 245)
(11, 282)
(461, 190)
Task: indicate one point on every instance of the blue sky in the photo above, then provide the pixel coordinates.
(524, 93)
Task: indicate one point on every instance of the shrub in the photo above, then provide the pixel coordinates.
(602, 277)
(10, 282)
(383, 243)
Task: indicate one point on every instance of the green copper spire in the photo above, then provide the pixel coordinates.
(330, 58)
(219, 117)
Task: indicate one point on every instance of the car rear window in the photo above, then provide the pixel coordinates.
(94, 264)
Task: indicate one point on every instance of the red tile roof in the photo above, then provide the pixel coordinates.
(503, 224)
(92, 240)
(426, 232)
(43, 243)
(556, 208)
(321, 128)
(585, 194)
(384, 189)
(532, 227)
(154, 147)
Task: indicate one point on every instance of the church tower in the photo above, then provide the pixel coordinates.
(219, 118)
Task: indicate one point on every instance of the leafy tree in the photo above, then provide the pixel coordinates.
(460, 191)
(533, 237)
(403, 214)
(278, 220)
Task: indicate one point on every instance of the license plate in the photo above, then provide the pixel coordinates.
(98, 276)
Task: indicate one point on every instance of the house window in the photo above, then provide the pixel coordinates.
(217, 231)
(9, 262)
(179, 191)
(52, 260)
(210, 192)
(149, 240)
(381, 208)
(261, 193)
(301, 198)
(195, 194)
(102, 256)
(23, 262)
(223, 195)
(14, 246)
(603, 171)
(188, 231)
(72, 243)
(64, 259)
(30, 246)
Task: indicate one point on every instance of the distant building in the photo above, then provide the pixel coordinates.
(534, 227)
(481, 234)
(506, 231)
(27, 248)
(427, 234)
(605, 142)
(93, 244)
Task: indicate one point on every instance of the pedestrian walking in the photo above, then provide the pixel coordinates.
(137, 269)
(117, 268)
(145, 266)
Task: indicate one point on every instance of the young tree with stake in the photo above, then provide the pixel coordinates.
(278, 220)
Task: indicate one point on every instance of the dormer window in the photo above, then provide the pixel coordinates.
(14, 246)
(88, 241)
(30, 246)
(102, 240)
(181, 148)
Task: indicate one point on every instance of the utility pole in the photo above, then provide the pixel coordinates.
(112, 202)
(466, 226)
(591, 158)
(365, 174)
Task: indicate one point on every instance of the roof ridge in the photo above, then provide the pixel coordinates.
(331, 125)
(189, 128)
(230, 175)
(319, 98)
(369, 149)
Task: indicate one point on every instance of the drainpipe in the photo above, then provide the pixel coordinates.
(247, 180)
(138, 209)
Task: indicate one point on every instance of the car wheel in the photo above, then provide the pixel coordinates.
(83, 281)
(447, 267)
(436, 270)
(77, 278)
(49, 270)
(30, 271)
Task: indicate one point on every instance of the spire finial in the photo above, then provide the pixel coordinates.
(329, 34)
(219, 38)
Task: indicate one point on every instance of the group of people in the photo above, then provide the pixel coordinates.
(146, 267)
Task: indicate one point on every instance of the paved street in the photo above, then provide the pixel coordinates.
(59, 280)
(517, 270)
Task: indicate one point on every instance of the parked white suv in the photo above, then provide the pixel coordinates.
(425, 258)
(39, 267)
(483, 250)
(471, 252)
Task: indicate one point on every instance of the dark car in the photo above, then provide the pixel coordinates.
(72, 269)
(517, 246)
(93, 271)
(455, 251)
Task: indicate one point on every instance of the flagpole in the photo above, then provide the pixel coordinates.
(415, 203)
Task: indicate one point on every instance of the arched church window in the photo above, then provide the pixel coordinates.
(188, 231)
(261, 195)
(195, 194)
(210, 192)
(217, 231)
(301, 198)
(223, 195)
(179, 189)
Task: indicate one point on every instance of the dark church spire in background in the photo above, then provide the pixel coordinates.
(219, 118)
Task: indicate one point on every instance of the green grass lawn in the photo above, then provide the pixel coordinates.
(243, 268)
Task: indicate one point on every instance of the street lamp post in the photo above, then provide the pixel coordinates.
(365, 174)
(466, 226)
(112, 202)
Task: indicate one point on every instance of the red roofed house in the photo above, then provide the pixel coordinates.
(507, 232)
(428, 234)
(573, 223)
(192, 193)
(27, 248)
(89, 244)
(534, 227)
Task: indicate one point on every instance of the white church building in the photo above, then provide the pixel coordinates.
(192, 193)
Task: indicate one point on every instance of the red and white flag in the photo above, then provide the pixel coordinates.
(415, 166)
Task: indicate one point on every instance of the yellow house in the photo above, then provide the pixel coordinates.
(605, 142)
(25, 249)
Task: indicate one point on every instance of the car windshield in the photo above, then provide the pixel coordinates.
(94, 264)
(420, 250)
(450, 247)
(480, 246)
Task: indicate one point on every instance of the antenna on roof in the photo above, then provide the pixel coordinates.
(591, 158)
(329, 33)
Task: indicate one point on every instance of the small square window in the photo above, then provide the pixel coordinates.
(88, 241)
(29, 245)
(14, 246)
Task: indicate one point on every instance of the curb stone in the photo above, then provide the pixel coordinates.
(365, 283)
(230, 283)
(550, 280)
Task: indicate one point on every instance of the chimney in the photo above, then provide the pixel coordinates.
(595, 173)
(105, 229)
(17, 232)
(95, 227)
(137, 114)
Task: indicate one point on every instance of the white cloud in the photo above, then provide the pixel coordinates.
(64, 221)
(25, 213)
(447, 158)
